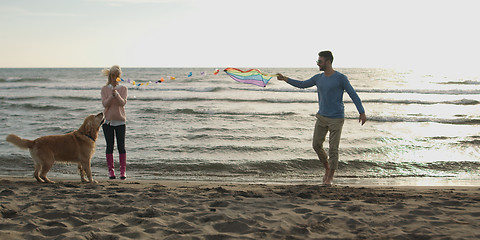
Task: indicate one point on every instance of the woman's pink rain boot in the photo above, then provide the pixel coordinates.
(111, 169)
(123, 166)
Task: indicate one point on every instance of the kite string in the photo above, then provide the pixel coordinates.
(270, 75)
(136, 83)
(190, 74)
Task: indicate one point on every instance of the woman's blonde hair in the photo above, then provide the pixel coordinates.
(113, 73)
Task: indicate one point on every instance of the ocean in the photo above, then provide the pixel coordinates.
(423, 128)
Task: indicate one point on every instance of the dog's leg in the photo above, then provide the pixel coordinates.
(82, 172)
(36, 173)
(37, 165)
(88, 171)
(43, 174)
(46, 160)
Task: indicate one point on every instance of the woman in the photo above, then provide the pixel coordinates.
(114, 98)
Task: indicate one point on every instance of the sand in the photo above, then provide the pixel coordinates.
(141, 209)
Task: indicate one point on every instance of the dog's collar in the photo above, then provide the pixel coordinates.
(89, 137)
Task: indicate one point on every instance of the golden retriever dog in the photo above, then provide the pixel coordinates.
(75, 147)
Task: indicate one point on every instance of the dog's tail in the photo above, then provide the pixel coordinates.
(19, 142)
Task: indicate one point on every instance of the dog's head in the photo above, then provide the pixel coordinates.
(91, 125)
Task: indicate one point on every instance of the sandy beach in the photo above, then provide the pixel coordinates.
(141, 209)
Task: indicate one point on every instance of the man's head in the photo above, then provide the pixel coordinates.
(325, 58)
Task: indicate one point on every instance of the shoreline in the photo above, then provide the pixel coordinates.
(148, 209)
(338, 181)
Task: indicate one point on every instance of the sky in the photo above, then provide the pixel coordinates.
(239, 33)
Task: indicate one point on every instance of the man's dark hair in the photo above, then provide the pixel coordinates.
(327, 55)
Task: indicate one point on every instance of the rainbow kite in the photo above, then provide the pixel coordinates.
(252, 76)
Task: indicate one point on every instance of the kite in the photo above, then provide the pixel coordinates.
(252, 76)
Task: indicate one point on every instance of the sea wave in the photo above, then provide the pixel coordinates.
(210, 112)
(184, 89)
(390, 119)
(32, 106)
(15, 98)
(203, 136)
(201, 99)
(66, 98)
(274, 170)
(20, 79)
(76, 98)
(372, 90)
(279, 90)
(234, 100)
(389, 169)
(465, 82)
(421, 102)
(212, 89)
(216, 149)
(22, 87)
(301, 166)
(423, 91)
(313, 100)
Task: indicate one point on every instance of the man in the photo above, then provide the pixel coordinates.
(330, 117)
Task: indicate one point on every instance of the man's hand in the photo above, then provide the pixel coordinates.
(281, 77)
(362, 118)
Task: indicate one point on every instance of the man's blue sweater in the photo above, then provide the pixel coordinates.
(330, 93)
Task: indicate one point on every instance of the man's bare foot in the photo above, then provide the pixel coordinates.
(325, 177)
(328, 178)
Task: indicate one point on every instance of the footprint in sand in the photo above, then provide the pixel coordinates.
(232, 227)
